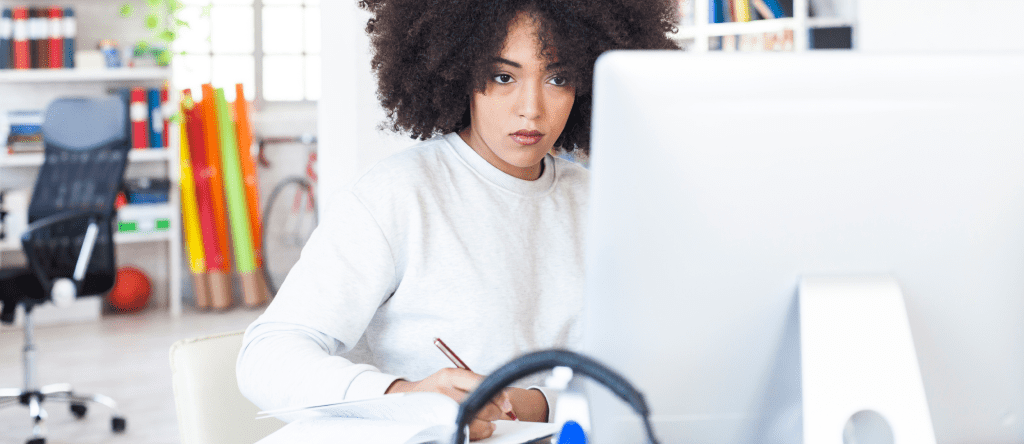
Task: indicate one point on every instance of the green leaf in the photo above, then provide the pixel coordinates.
(167, 36)
(155, 3)
(182, 24)
(127, 10)
(163, 58)
(152, 21)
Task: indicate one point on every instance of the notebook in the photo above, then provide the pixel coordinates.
(402, 418)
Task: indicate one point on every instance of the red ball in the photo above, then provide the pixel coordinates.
(131, 290)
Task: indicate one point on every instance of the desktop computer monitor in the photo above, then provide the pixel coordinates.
(718, 181)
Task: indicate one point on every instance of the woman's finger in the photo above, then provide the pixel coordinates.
(480, 429)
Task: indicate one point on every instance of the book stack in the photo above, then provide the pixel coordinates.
(147, 112)
(220, 198)
(37, 37)
(25, 134)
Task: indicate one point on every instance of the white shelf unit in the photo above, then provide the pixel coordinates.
(82, 75)
(701, 30)
(21, 89)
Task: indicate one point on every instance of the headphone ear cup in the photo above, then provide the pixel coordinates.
(531, 363)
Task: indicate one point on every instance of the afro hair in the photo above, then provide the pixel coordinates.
(431, 55)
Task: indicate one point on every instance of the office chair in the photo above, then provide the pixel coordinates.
(69, 241)
(210, 407)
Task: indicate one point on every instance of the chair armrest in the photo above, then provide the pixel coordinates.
(33, 230)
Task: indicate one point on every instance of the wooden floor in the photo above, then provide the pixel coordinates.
(124, 357)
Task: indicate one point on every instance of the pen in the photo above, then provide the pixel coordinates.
(458, 363)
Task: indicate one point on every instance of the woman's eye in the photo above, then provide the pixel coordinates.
(558, 81)
(503, 78)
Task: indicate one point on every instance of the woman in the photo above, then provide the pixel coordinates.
(474, 235)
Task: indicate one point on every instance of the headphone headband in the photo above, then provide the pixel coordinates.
(545, 360)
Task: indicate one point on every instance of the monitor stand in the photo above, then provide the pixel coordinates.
(861, 380)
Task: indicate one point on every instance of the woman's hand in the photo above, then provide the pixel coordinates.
(529, 405)
(457, 384)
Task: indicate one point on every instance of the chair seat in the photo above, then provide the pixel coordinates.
(18, 285)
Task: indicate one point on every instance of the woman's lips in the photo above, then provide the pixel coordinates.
(527, 137)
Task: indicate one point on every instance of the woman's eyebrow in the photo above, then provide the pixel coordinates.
(507, 62)
(550, 67)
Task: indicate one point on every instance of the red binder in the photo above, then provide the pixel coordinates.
(20, 42)
(138, 111)
(56, 38)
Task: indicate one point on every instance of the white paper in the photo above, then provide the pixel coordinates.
(404, 418)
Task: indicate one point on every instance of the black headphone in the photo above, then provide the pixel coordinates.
(545, 360)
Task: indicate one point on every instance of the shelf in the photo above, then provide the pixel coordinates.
(36, 159)
(83, 75)
(756, 27)
(120, 238)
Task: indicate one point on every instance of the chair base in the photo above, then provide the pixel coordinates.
(77, 403)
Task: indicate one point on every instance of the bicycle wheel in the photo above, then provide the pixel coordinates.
(288, 219)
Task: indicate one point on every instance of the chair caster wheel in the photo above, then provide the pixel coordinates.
(118, 424)
(36, 441)
(79, 410)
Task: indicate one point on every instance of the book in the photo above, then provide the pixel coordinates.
(138, 113)
(6, 32)
(69, 28)
(166, 111)
(21, 53)
(37, 33)
(55, 36)
(762, 9)
(741, 10)
(410, 418)
(156, 118)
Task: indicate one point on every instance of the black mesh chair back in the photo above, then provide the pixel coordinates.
(86, 143)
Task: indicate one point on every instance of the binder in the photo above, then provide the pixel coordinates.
(56, 38)
(776, 8)
(69, 28)
(156, 118)
(6, 32)
(741, 10)
(138, 112)
(19, 39)
(167, 113)
(40, 51)
(718, 11)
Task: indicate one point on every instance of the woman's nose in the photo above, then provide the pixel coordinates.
(531, 101)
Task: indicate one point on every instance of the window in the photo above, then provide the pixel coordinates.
(272, 47)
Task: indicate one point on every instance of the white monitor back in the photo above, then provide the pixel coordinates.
(719, 180)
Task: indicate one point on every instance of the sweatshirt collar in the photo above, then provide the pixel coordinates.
(500, 178)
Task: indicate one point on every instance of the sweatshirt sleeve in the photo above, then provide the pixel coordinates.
(290, 354)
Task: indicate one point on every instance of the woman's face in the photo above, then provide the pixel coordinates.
(515, 121)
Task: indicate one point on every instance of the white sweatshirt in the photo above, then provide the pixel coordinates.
(431, 242)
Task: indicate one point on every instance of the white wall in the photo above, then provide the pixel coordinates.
(349, 141)
(940, 25)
